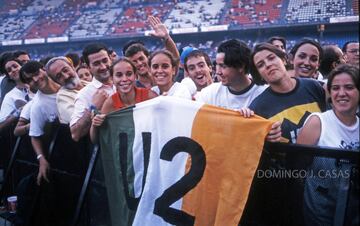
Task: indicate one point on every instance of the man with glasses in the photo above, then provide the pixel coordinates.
(351, 52)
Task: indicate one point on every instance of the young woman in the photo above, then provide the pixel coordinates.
(306, 56)
(162, 68)
(287, 99)
(123, 73)
(84, 73)
(16, 98)
(338, 128)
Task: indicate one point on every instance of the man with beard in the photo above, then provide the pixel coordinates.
(92, 97)
(62, 72)
(138, 54)
(197, 65)
(43, 109)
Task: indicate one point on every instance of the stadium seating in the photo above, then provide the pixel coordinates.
(195, 14)
(314, 10)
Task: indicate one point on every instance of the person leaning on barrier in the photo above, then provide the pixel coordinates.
(43, 109)
(338, 128)
(62, 72)
(94, 94)
(15, 99)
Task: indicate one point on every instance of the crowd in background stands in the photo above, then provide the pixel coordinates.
(25, 19)
(267, 80)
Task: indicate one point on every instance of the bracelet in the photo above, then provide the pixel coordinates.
(39, 156)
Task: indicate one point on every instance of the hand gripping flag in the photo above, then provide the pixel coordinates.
(170, 161)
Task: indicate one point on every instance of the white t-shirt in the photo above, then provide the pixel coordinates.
(220, 96)
(336, 134)
(84, 98)
(13, 100)
(25, 113)
(43, 110)
(176, 90)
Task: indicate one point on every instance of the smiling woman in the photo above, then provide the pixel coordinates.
(337, 128)
(163, 67)
(123, 73)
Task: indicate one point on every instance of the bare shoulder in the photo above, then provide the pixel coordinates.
(311, 131)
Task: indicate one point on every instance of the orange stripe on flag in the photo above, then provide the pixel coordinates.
(233, 147)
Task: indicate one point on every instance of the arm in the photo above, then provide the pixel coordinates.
(7, 122)
(22, 127)
(311, 131)
(44, 166)
(82, 126)
(161, 31)
(98, 120)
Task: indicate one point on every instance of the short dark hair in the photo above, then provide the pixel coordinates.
(304, 41)
(18, 53)
(329, 57)
(237, 53)
(121, 59)
(135, 48)
(257, 78)
(30, 68)
(91, 49)
(349, 69)
(130, 43)
(4, 56)
(197, 53)
(344, 48)
(279, 38)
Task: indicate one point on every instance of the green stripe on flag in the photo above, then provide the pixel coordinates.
(117, 124)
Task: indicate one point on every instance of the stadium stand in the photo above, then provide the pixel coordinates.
(195, 14)
(13, 27)
(314, 10)
(133, 19)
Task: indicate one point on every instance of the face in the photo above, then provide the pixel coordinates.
(140, 61)
(38, 80)
(306, 61)
(162, 70)
(13, 69)
(229, 76)
(64, 74)
(99, 65)
(279, 45)
(270, 66)
(352, 53)
(199, 71)
(344, 94)
(124, 77)
(24, 58)
(84, 74)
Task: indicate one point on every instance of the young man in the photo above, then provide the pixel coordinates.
(94, 94)
(43, 109)
(198, 67)
(351, 52)
(62, 72)
(236, 90)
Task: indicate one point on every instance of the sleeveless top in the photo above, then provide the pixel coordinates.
(141, 94)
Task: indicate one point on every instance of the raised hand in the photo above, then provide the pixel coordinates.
(159, 29)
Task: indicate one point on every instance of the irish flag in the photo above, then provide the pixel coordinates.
(170, 161)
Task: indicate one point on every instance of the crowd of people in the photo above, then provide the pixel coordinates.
(291, 88)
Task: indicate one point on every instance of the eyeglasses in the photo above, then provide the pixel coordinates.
(353, 51)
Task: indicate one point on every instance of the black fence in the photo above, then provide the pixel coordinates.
(76, 193)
